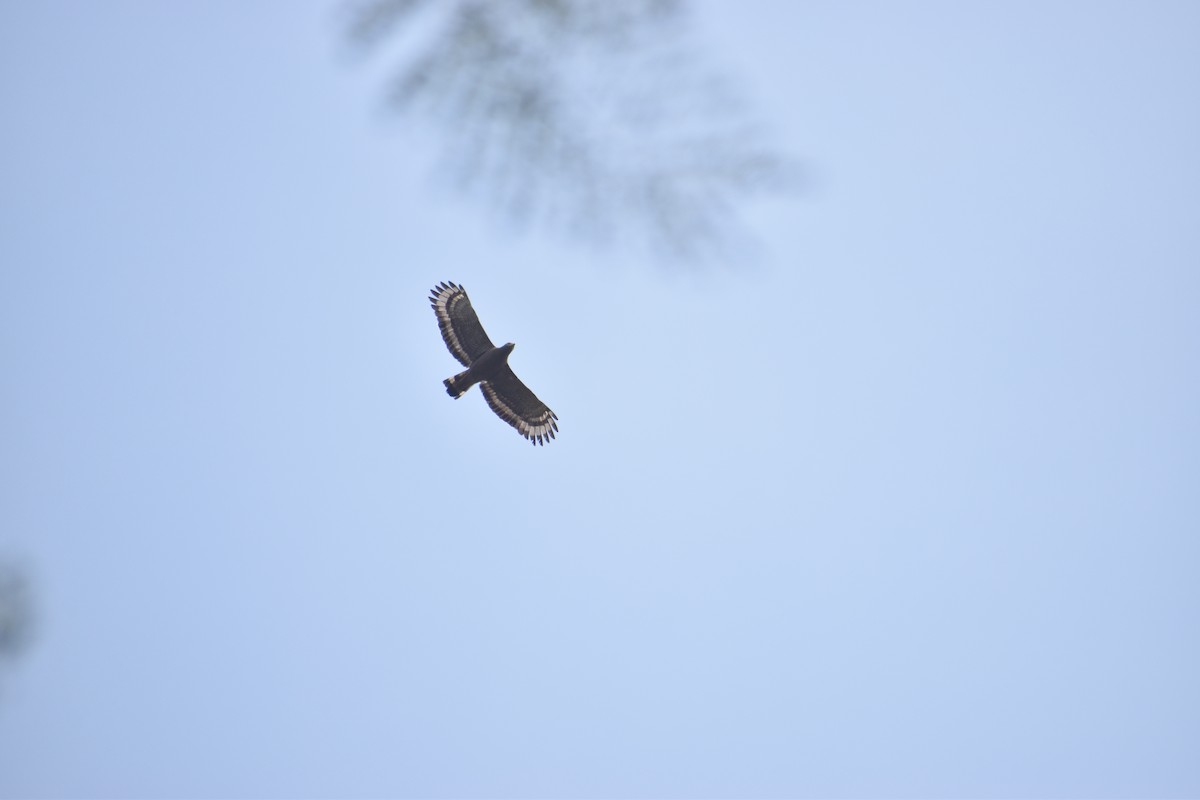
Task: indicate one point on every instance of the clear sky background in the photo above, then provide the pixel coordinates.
(905, 505)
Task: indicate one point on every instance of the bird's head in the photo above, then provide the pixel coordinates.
(508, 348)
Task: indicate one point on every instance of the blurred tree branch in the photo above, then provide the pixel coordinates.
(589, 117)
(15, 610)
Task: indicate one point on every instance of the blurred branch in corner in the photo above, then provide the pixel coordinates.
(16, 617)
(593, 118)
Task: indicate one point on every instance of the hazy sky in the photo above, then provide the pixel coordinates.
(906, 505)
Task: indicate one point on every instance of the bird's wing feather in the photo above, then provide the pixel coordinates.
(460, 327)
(514, 403)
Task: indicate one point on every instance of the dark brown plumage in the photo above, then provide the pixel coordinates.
(487, 365)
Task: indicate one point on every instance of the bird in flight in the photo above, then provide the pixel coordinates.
(487, 365)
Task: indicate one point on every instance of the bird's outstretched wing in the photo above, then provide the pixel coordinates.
(460, 327)
(514, 403)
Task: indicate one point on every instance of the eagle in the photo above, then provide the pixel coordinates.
(487, 365)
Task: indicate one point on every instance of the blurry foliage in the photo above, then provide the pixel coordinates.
(15, 610)
(589, 117)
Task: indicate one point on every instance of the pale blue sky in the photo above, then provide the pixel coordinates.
(906, 506)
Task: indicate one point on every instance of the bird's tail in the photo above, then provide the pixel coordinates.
(457, 385)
